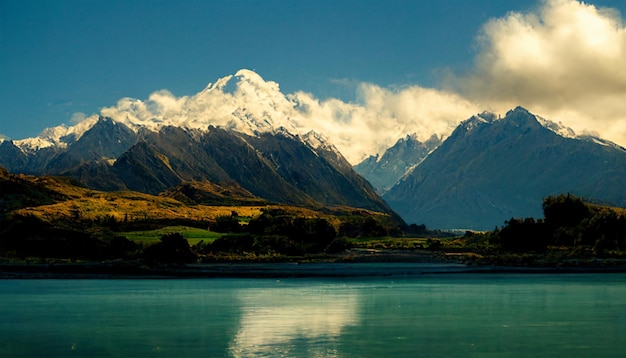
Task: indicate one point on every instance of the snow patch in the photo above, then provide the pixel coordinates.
(478, 120)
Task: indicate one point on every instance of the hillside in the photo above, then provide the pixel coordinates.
(272, 166)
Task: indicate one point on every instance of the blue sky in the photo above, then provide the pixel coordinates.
(63, 57)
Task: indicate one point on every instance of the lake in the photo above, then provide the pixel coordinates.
(427, 315)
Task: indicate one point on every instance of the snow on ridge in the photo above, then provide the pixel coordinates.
(567, 132)
(59, 136)
(30, 145)
(319, 141)
(557, 128)
(314, 139)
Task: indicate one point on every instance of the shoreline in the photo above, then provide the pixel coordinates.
(394, 263)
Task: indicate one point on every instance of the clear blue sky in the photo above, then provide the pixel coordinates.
(59, 57)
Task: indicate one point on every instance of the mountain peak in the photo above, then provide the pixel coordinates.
(522, 116)
(59, 136)
(478, 120)
(518, 117)
(519, 110)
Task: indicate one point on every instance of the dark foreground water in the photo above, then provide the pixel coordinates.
(435, 315)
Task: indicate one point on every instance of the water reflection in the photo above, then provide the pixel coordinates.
(294, 320)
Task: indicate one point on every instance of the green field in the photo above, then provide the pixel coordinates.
(391, 243)
(192, 234)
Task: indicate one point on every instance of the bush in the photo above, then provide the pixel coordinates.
(278, 232)
(338, 245)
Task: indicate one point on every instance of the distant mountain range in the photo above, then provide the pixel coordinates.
(489, 170)
(251, 148)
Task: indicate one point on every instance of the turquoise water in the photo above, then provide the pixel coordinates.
(449, 315)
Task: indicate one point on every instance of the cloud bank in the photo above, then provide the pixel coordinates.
(247, 103)
(564, 60)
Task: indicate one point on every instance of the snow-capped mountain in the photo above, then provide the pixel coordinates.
(243, 102)
(489, 170)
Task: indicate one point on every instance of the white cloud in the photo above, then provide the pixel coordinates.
(77, 118)
(566, 61)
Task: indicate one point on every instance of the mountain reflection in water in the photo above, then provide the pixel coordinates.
(293, 320)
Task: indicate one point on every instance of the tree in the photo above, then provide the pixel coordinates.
(564, 210)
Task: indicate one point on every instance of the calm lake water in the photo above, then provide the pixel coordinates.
(442, 315)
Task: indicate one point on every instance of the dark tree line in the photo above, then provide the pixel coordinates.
(568, 221)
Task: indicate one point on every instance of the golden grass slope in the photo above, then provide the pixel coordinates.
(131, 206)
(80, 203)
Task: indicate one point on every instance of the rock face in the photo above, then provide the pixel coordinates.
(491, 169)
